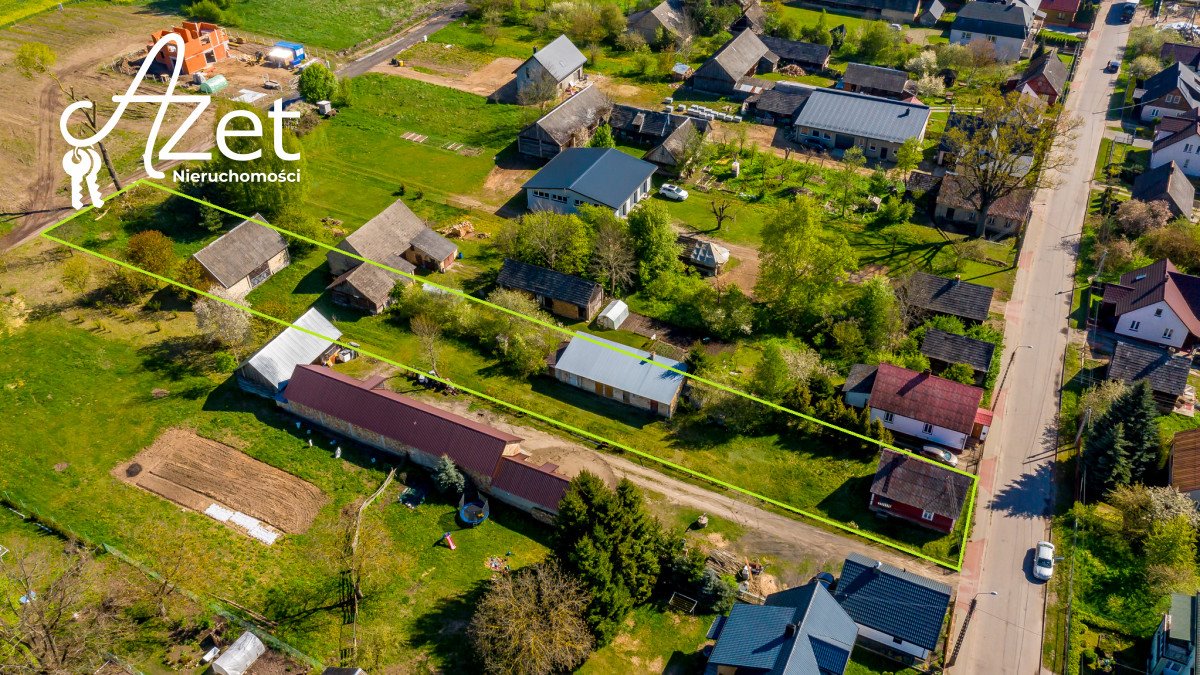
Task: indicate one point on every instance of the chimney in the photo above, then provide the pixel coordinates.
(789, 630)
(957, 279)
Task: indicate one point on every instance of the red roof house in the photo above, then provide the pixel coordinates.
(1060, 12)
(926, 407)
(395, 422)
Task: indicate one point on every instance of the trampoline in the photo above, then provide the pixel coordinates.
(473, 510)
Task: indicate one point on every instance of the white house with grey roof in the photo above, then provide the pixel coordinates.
(1010, 26)
(879, 126)
(1174, 91)
(596, 176)
(559, 62)
(642, 381)
(396, 232)
(244, 257)
(267, 372)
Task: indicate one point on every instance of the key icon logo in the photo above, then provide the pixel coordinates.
(82, 165)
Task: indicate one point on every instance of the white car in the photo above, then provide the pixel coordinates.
(1043, 560)
(940, 454)
(673, 192)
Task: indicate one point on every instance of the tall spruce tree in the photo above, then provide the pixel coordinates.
(611, 542)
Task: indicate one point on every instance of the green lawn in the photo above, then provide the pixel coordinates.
(12, 11)
(82, 400)
(330, 24)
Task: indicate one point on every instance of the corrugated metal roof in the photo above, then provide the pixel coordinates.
(893, 601)
(279, 357)
(1185, 461)
(539, 484)
(473, 446)
(876, 77)
(857, 114)
(634, 375)
(238, 252)
(605, 175)
(925, 397)
(560, 58)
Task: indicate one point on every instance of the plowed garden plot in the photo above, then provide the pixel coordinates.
(195, 472)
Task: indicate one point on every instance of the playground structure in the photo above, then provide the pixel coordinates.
(473, 508)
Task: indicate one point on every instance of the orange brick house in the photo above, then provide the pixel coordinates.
(204, 44)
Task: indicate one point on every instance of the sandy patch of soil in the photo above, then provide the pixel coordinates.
(194, 472)
(483, 81)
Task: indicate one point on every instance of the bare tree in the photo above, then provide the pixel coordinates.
(612, 257)
(531, 623)
(539, 92)
(722, 210)
(428, 332)
(1016, 144)
(59, 617)
(224, 324)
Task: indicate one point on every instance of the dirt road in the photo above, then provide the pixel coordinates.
(768, 533)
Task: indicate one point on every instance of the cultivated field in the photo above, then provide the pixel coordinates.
(194, 472)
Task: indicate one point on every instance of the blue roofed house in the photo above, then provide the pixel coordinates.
(842, 119)
(642, 382)
(597, 176)
(900, 612)
(799, 631)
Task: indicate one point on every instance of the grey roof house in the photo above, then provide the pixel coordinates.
(954, 297)
(945, 349)
(369, 287)
(559, 63)
(842, 119)
(567, 296)
(878, 81)
(642, 381)
(244, 257)
(1173, 91)
(798, 631)
(779, 106)
(932, 13)
(1010, 28)
(896, 609)
(1167, 183)
(597, 176)
(396, 232)
(668, 18)
(1166, 372)
(665, 134)
(808, 55)
(1173, 647)
(267, 372)
(569, 125)
(740, 58)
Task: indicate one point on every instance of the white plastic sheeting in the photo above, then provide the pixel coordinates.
(240, 656)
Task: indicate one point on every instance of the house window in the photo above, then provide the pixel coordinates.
(1154, 112)
(1168, 333)
(1187, 147)
(966, 37)
(1134, 326)
(927, 428)
(927, 515)
(872, 147)
(559, 198)
(1158, 312)
(897, 640)
(888, 417)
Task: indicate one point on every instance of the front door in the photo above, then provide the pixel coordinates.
(883, 153)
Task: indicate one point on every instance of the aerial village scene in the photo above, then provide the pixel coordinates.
(602, 336)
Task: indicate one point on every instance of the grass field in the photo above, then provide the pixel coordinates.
(329, 24)
(12, 11)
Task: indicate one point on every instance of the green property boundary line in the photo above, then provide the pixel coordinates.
(955, 566)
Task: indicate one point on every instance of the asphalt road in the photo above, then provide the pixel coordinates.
(1016, 483)
(409, 38)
